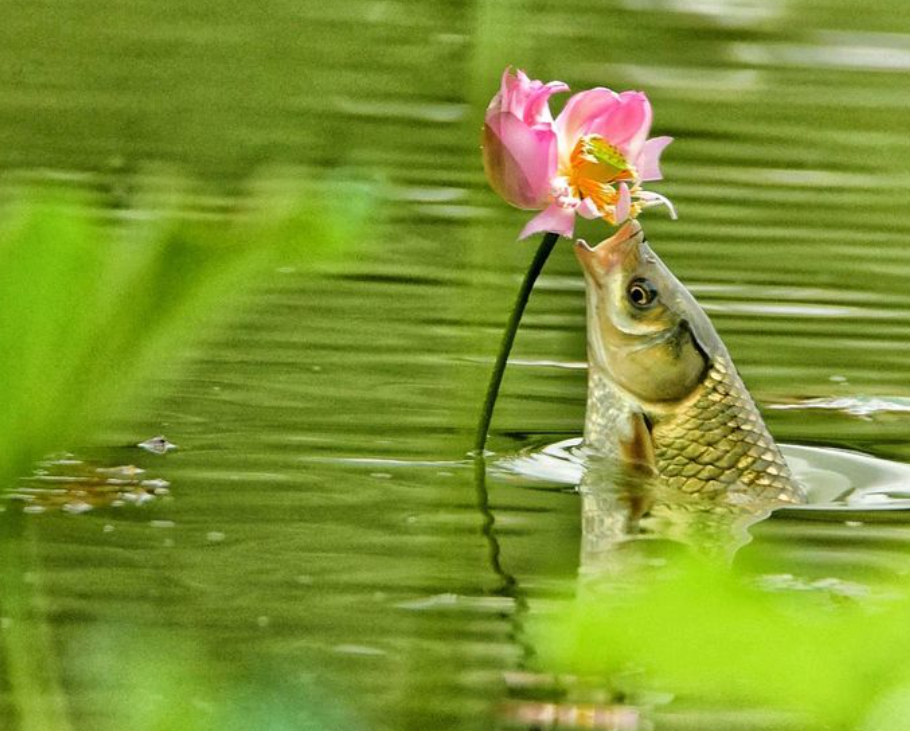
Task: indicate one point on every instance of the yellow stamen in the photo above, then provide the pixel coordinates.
(595, 167)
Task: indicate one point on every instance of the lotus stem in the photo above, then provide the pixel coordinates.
(508, 338)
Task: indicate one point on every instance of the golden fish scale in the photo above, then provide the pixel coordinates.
(718, 441)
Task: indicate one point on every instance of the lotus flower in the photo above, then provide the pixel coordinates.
(520, 147)
(590, 161)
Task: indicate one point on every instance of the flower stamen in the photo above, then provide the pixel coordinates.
(596, 171)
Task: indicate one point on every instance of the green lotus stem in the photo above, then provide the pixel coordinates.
(508, 338)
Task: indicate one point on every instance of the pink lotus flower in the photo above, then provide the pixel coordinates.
(591, 161)
(520, 148)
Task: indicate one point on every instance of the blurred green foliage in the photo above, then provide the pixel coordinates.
(91, 301)
(704, 632)
(90, 304)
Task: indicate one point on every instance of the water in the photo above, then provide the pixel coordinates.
(321, 518)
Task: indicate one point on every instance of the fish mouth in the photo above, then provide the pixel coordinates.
(609, 252)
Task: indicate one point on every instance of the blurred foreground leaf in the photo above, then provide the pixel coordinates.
(89, 306)
(706, 635)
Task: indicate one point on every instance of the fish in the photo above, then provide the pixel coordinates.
(664, 396)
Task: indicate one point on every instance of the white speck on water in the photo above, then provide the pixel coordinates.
(108, 528)
(156, 484)
(76, 507)
(381, 475)
(854, 523)
(162, 523)
(215, 536)
(137, 498)
(838, 379)
(157, 445)
(33, 509)
(168, 543)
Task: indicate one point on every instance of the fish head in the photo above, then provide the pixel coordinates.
(646, 333)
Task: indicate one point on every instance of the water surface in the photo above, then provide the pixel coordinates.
(322, 519)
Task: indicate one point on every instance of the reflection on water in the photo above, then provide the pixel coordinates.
(637, 533)
(836, 480)
(631, 527)
(323, 520)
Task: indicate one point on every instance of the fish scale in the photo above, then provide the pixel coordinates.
(607, 416)
(718, 440)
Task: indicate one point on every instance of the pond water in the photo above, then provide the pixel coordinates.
(321, 518)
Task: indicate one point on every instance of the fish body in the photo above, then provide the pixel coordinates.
(663, 393)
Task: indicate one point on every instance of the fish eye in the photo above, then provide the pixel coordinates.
(641, 293)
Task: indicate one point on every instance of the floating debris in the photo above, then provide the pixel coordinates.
(76, 487)
(157, 445)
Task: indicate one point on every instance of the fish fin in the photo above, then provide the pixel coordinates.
(637, 448)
